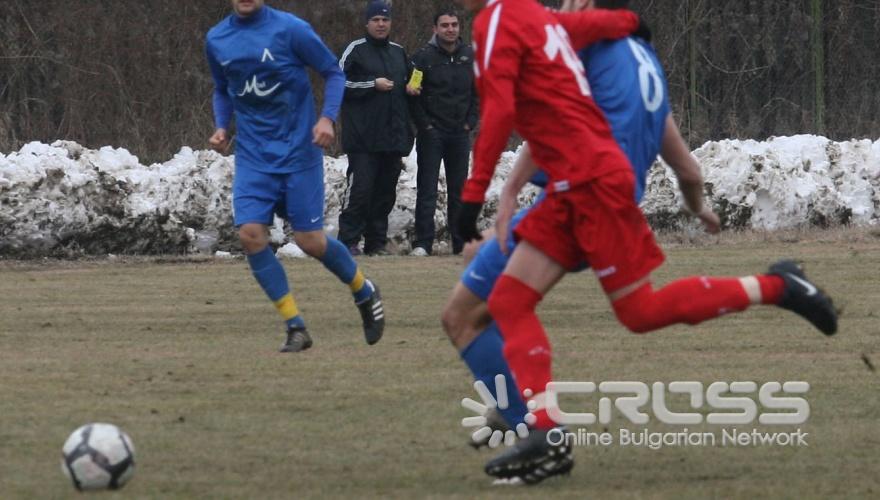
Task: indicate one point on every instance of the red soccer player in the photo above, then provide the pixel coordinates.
(530, 80)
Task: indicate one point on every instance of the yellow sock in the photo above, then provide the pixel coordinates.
(287, 307)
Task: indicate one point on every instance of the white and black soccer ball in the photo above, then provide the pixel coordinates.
(97, 457)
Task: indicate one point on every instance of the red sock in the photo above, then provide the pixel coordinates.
(772, 287)
(526, 347)
(689, 300)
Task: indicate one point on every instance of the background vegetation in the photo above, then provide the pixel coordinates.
(131, 73)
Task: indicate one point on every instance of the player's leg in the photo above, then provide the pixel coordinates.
(529, 275)
(545, 250)
(617, 223)
(429, 147)
(696, 299)
(384, 197)
(305, 212)
(254, 198)
(360, 179)
(456, 158)
(470, 328)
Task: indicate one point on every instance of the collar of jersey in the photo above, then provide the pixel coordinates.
(253, 20)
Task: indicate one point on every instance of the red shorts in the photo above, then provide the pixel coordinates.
(598, 223)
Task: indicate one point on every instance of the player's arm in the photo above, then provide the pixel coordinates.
(590, 26)
(524, 169)
(676, 154)
(308, 46)
(499, 71)
(358, 83)
(222, 104)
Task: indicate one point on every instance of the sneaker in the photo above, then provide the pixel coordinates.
(298, 340)
(804, 298)
(355, 251)
(373, 316)
(494, 421)
(419, 252)
(534, 458)
(379, 252)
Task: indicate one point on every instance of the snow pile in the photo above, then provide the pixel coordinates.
(63, 199)
(780, 183)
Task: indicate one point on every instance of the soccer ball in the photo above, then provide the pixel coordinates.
(98, 456)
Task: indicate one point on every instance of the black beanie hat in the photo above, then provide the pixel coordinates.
(377, 8)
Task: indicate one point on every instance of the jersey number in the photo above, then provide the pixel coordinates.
(558, 42)
(648, 74)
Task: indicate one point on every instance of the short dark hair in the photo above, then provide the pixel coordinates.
(611, 4)
(447, 11)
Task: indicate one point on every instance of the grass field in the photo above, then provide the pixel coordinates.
(182, 355)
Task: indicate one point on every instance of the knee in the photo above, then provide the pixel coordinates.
(634, 318)
(253, 238)
(452, 321)
(313, 243)
(462, 327)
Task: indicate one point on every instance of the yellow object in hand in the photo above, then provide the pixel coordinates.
(415, 81)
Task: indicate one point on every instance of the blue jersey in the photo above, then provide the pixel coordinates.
(629, 84)
(259, 68)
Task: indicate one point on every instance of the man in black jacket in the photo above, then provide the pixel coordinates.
(445, 111)
(376, 131)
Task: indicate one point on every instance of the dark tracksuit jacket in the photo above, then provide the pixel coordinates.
(376, 133)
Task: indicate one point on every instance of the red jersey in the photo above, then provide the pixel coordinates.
(530, 79)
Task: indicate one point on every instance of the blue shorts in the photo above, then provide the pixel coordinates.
(487, 266)
(484, 270)
(297, 196)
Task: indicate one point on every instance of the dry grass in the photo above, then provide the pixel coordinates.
(182, 354)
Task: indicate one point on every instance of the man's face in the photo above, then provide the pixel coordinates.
(447, 29)
(472, 5)
(245, 8)
(379, 27)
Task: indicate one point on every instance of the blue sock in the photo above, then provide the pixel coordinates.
(271, 276)
(338, 260)
(485, 358)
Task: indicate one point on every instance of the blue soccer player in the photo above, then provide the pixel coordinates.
(628, 83)
(258, 58)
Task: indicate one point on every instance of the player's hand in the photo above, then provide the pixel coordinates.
(506, 208)
(710, 220)
(323, 134)
(219, 142)
(466, 223)
(384, 85)
(413, 91)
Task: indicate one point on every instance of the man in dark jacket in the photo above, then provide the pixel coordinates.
(445, 111)
(376, 131)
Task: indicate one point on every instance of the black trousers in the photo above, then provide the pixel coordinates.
(370, 193)
(453, 149)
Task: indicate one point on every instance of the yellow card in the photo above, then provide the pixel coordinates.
(415, 81)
